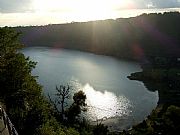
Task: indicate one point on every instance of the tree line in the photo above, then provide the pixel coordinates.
(135, 38)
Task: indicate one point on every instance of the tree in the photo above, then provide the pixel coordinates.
(69, 114)
(20, 92)
(78, 105)
(63, 93)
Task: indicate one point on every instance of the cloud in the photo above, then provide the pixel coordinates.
(21, 6)
(166, 3)
(15, 6)
(156, 3)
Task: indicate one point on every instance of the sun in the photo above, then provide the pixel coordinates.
(93, 9)
(82, 9)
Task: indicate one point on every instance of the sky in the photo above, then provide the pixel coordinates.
(41, 12)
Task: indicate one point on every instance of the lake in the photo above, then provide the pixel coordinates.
(111, 96)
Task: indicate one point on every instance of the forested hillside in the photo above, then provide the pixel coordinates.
(132, 38)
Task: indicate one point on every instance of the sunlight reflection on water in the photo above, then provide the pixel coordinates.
(105, 105)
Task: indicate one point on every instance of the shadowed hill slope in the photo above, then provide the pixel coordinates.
(131, 38)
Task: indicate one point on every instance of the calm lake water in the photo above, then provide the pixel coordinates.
(111, 96)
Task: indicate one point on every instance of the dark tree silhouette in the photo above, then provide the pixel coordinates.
(78, 105)
(68, 115)
(63, 93)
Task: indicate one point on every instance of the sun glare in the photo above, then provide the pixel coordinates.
(80, 9)
(105, 104)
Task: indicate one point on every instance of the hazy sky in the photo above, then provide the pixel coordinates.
(36, 12)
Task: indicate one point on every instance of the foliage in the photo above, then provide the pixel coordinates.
(163, 120)
(100, 129)
(75, 109)
(20, 92)
(52, 127)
